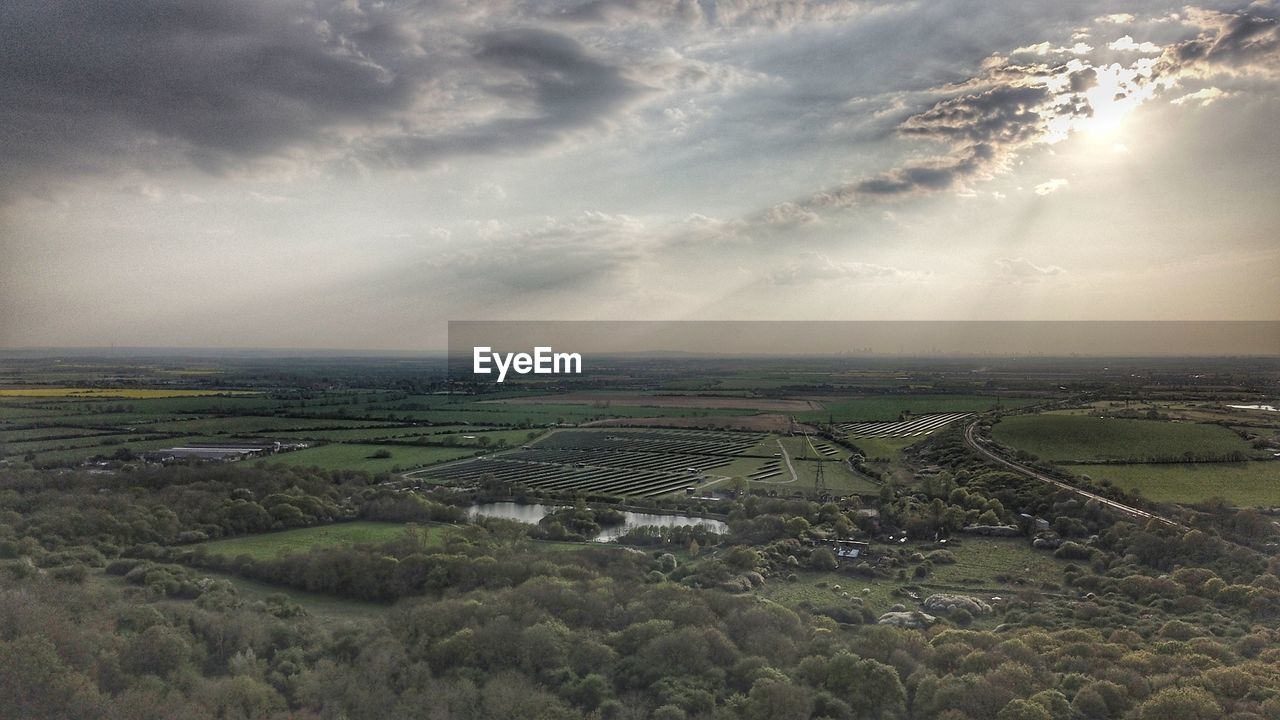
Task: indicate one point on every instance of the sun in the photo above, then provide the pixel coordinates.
(1113, 97)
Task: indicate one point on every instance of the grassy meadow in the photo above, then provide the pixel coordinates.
(1064, 438)
(1244, 484)
(285, 542)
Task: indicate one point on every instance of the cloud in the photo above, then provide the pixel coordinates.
(243, 86)
(557, 255)
(1115, 19)
(773, 15)
(1202, 97)
(211, 83)
(985, 122)
(486, 192)
(150, 191)
(984, 131)
(1049, 187)
(1127, 44)
(554, 84)
(1048, 48)
(1022, 270)
(817, 267)
(789, 213)
(1234, 43)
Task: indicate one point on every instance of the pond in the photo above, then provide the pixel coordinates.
(533, 513)
(1268, 408)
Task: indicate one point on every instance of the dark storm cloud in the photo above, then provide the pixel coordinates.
(982, 130)
(1005, 114)
(1239, 42)
(559, 85)
(101, 87)
(86, 84)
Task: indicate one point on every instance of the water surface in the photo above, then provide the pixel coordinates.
(533, 513)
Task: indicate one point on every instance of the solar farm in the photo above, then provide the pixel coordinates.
(920, 426)
(642, 463)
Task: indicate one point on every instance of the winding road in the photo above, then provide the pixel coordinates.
(970, 437)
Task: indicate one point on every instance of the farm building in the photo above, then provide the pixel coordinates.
(847, 549)
(224, 453)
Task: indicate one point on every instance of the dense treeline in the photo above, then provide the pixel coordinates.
(109, 610)
(592, 634)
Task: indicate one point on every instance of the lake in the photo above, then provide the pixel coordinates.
(531, 514)
(1268, 408)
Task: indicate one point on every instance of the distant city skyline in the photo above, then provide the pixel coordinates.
(344, 174)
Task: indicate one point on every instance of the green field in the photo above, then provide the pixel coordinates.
(75, 452)
(978, 562)
(889, 407)
(360, 457)
(1064, 438)
(1245, 484)
(253, 424)
(271, 545)
(888, 448)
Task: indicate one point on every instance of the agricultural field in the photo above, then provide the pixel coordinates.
(276, 544)
(127, 393)
(1067, 438)
(1244, 484)
(341, 456)
(47, 433)
(107, 446)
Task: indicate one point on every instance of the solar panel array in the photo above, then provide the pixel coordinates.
(658, 441)
(641, 463)
(922, 425)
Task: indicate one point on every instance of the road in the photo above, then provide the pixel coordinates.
(970, 437)
(790, 468)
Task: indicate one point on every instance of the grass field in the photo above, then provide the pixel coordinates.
(977, 559)
(129, 393)
(360, 457)
(887, 448)
(41, 433)
(1245, 484)
(255, 424)
(75, 452)
(271, 545)
(1064, 438)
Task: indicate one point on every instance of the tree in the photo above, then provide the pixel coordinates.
(741, 558)
(1019, 709)
(822, 559)
(158, 650)
(871, 688)
(774, 699)
(37, 685)
(1180, 703)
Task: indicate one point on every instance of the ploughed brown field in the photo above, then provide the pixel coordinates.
(679, 401)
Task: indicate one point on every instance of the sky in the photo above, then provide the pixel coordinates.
(353, 174)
